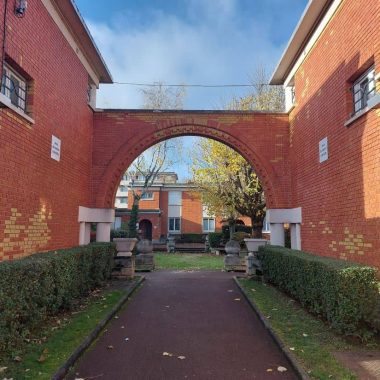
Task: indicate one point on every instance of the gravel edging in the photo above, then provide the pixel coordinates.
(289, 355)
(64, 369)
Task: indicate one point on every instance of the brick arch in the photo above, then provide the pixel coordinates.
(121, 136)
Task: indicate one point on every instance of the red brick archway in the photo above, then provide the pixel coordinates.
(121, 135)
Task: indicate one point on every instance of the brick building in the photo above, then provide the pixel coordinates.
(61, 159)
(167, 207)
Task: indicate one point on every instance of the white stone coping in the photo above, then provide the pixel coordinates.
(96, 215)
(284, 215)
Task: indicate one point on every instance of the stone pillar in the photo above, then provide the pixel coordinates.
(277, 234)
(103, 232)
(84, 233)
(104, 219)
(295, 236)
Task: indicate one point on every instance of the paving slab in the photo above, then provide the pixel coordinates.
(185, 325)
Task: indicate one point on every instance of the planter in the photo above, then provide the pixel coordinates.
(144, 246)
(254, 244)
(232, 247)
(125, 244)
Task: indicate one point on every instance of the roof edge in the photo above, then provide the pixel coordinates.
(310, 19)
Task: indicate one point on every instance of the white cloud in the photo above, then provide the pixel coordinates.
(211, 46)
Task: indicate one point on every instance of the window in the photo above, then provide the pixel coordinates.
(123, 200)
(13, 86)
(148, 195)
(174, 224)
(363, 89)
(123, 188)
(208, 224)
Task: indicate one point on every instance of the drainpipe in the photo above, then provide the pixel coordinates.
(3, 47)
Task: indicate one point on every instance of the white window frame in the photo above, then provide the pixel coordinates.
(208, 229)
(147, 196)
(8, 73)
(179, 225)
(266, 226)
(363, 89)
(123, 203)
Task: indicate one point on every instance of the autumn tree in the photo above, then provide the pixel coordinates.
(228, 184)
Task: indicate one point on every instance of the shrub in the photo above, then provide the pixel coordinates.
(343, 293)
(240, 236)
(238, 228)
(41, 285)
(215, 239)
(119, 234)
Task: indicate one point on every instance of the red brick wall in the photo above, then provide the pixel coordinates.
(39, 197)
(192, 213)
(121, 135)
(340, 198)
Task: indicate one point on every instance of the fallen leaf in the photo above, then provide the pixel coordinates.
(237, 299)
(116, 317)
(253, 290)
(269, 370)
(122, 327)
(281, 369)
(110, 347)
(126, 339)
(230, 290)
(181, 357)
(274, 309)
(42, 358)
(167, 306)
(167, 354)
(3, 369)
(305, 335)
(17, 359)
(291, 348)
(79, 378)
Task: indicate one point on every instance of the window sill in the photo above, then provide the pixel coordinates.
(7, 103)
(373, 102)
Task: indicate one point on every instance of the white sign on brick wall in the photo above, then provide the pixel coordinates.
(323, 150)
(55, 148)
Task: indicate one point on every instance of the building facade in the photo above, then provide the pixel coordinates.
(61, 159)
(167, 207)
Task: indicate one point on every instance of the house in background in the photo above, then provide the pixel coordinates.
(168, 207)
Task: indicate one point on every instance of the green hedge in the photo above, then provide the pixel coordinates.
(343, 293)
(41, 285)
(215, 239)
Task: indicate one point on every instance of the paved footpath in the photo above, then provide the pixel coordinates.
(193, 315)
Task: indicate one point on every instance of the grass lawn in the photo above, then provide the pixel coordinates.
(311, 341)
(59, 338)
(190, 261)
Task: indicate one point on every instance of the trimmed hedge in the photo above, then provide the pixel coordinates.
(192, 238)
(43, 284)
(343, 293)
(215, 239)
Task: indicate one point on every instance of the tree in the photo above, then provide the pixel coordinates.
(158, 158)
(228, 184)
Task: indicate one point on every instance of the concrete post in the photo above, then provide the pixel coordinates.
(84, 233)
(295, 235)
(277, 234)
(103, 232)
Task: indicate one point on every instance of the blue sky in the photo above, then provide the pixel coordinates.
(188, 41)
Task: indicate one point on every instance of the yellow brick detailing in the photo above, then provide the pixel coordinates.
(352, 243)
(27, 238)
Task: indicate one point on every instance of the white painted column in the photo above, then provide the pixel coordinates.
(103, 232)
(102, 217)
(295, 236)
(84, 233)
(277, 234)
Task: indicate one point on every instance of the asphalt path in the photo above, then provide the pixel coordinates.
(185, 325)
